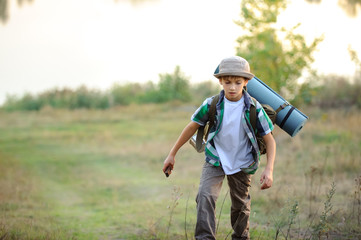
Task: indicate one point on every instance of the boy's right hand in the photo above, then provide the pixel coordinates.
(168, 165)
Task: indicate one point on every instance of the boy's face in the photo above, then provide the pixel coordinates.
(233, 87)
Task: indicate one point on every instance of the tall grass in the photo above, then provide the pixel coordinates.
(96, 174)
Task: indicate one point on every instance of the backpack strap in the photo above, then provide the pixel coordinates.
(288, 113)
(199, 138)
(287, 116)
(212, 114)
(253, 115)
(282, 107)
(211, 118)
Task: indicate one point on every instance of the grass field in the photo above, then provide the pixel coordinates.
(92, 174)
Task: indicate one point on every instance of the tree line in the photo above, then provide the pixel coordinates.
(171, 87)
(320, 91)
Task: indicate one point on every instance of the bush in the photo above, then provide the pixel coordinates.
(27, 103)
(59, 98)
(174, 87)
(171, 87)
(338, 92)
(330, 91)
(203, 90)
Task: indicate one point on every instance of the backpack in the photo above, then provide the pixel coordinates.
(272, 114)
(199, 140)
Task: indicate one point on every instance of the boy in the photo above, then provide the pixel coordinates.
(231, 150)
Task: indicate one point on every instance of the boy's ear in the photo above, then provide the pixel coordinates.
(220, 80)
(246, 82)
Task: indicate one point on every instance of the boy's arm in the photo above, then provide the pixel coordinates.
(186, 134)
(267, 174)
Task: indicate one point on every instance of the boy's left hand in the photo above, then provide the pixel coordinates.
(266, 179)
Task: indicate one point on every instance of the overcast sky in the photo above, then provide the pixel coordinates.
(52, 43)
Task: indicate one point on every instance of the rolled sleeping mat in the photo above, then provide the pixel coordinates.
(289, 118)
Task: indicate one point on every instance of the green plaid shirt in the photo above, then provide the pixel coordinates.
(264, 126)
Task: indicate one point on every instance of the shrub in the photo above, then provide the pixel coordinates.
(174, 86)
(330, 91)
(338, 92)
(202, 90)
(27, 103)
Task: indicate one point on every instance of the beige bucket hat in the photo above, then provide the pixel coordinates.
(234, 66)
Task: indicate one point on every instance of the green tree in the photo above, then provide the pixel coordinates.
(276, 55)
(174, 86)
(204, 89)
(124, 94)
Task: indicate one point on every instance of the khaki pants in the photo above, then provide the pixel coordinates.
(209, 188)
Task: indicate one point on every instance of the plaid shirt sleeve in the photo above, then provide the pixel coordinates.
(200, 116)
(264, 123)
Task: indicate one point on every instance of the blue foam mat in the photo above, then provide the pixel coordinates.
(266, 95)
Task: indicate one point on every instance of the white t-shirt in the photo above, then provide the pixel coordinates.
(232, 143)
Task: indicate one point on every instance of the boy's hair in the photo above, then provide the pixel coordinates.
(230, 78)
